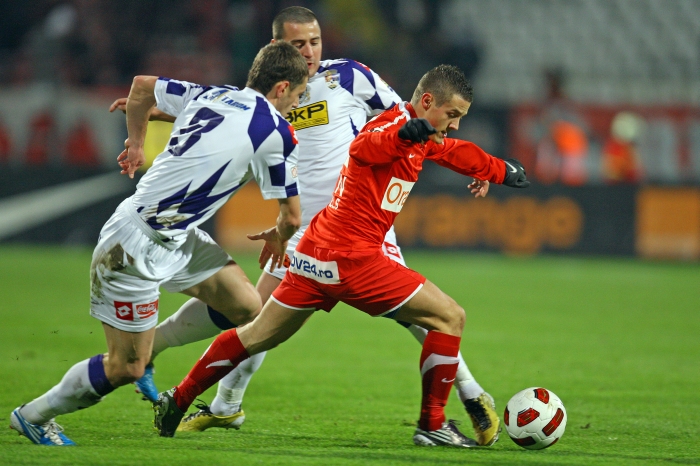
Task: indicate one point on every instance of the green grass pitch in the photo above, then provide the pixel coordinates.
(617, 339)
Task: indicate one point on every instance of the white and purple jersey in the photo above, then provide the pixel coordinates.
(222, 138)
(335, 106)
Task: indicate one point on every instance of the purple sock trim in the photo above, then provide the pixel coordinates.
(98, 378)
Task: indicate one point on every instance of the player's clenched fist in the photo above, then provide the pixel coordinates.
(417, 130)
(515, 174)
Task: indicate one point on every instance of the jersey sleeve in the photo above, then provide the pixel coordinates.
(274, 165)
(468, 159)
(172, 96)
(372, 90)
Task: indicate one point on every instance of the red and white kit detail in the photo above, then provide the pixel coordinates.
(369, 281)
(378, 176)
(341, 255)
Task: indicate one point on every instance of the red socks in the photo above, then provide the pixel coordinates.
(438, 367)
(224, 354)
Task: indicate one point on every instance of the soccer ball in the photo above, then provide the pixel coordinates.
(535, 418)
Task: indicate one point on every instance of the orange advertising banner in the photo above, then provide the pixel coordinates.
(668, 223)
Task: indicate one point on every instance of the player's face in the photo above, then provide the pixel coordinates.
(307, 38)
(290, 98)
(445, 118)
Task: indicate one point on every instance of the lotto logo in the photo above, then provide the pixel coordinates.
(396, 194)
(144, 311)
(125, 311)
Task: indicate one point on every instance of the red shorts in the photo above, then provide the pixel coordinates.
(369, 281)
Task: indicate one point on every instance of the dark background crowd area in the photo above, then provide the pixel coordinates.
(106, 43)
(582, 91)
(599, 99)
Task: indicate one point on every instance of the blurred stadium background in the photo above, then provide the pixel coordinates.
(600, 99)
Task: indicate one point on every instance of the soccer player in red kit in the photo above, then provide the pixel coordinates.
(340, 256)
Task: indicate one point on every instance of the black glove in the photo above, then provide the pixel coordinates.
(515, 174)
(417, 130)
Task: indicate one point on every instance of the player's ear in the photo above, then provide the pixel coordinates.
(427, 100)
(281, 87)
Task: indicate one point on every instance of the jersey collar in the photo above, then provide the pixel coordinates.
(411, 110)
(407, 108)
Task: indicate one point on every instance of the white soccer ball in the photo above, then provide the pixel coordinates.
(535, 418)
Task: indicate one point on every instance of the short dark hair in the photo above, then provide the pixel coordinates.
(293, 14)
(443, 82)
(276, 62)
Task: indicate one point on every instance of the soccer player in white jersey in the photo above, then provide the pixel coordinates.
(222, 138)
(340, 96)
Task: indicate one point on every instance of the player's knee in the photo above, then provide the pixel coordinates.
(253, 305)
(461, 319)
(134, 371)
(455, 318)
(243, 309)
(248, 308)
(123, 372)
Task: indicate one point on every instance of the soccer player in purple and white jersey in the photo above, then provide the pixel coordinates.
(339, 98)
(222, 138)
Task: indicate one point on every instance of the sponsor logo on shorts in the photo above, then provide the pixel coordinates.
(396, 194)
(144, 311)
(310, 267)
(131, 311)
(315, 114)
(125, 311)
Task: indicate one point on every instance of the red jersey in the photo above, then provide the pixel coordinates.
(377, 177)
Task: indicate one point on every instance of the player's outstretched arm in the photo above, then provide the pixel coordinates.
(288, 222)
(155, 115)
(468, 159)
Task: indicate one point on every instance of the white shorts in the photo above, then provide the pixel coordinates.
(390, 248)
(132, 261)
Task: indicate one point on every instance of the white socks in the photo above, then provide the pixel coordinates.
(229, 395)
(75, 391)
(465, 384)
(189, 324)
